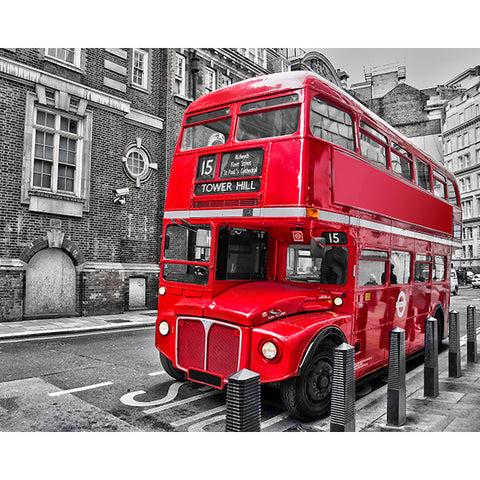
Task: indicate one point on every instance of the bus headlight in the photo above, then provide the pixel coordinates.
(338, 301)
(269, 350)
(162, 291)
(164, 328)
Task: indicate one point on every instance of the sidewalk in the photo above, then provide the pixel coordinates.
(454, 410)
(58, 326)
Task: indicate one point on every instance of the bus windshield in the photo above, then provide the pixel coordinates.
(206, 134)
(242, 254)
(187, 243)
(329, 270)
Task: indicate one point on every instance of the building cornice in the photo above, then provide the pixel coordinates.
(462, 126)
(30, 75)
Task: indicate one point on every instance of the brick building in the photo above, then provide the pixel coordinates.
(85, 153)
(77, 125)
(410, 110)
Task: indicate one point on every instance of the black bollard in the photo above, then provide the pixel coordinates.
(472, 355)
(454, 354)
(243, 402)
(431, 358)
(397, 390)
(342, 411)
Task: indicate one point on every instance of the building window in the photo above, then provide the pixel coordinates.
(225, 81)
(467, 209)
(465, 139)
(56, 160)
(179, 87)
(136, 162)
(70, 56)
(210, 80)
(459, 142)
(140, 68)
(57, 142)
(448, 147)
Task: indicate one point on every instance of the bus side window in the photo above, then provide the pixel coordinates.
(372, 268)
(400, 272)
(423, 267)
(439, 268)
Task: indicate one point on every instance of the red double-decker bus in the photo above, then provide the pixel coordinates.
(295, 220)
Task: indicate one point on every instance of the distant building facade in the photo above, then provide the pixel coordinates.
(406, 108)
(461, 138)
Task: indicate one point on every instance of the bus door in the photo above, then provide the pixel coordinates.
(372, 320)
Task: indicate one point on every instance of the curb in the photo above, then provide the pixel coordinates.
(59, 332)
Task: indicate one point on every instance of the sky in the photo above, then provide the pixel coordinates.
(426, 67)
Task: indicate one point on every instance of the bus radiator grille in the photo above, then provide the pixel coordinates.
(207, 345)
(223, 350)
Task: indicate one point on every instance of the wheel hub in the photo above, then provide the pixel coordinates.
(319, 381)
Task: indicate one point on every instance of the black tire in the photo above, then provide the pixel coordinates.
(171, 370)
(455, 290)
(307, 397)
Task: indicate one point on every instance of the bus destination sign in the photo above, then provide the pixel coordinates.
(233, 186)
(246, 163)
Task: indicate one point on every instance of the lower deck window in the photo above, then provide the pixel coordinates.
(372, 268)
(330, 270)
(423, 267)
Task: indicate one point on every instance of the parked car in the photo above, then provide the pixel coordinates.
(476, 281)
(470, 276)
(453, 282)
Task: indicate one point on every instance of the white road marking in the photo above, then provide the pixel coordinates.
(128, 399)
(273, 420)
(153, 374)
(198, 427)
(181, 402)
(80, 389)
(194, 418)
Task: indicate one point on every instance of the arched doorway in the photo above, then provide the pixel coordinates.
(50, 284)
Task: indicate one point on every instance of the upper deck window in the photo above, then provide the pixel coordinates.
(331, 124)
(371, 148)
(401, 165)
(422, 174)
(269, 123)
(439, 185)
(269, 102)
(207, 134)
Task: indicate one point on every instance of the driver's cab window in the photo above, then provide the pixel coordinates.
(330, 270)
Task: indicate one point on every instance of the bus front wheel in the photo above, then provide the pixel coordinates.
(307, 397)
(170, 369)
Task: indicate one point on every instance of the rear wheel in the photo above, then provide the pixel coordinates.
(170, 369)
(455, 290)
(307, 397)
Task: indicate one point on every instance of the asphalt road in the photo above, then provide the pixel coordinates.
(113, 381)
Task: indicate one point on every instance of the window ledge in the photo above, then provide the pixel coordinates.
(182, 100)
(140, 88)
(69, 66)
(60, 204)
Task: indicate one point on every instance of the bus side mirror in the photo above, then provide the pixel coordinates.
(317, 247)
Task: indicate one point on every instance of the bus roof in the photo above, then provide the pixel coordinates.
(278, 82)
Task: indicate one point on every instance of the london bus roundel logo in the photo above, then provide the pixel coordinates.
(401, 304)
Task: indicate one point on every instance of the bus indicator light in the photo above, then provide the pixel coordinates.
(313, 213)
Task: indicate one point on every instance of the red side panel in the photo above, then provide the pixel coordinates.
(360, 185)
